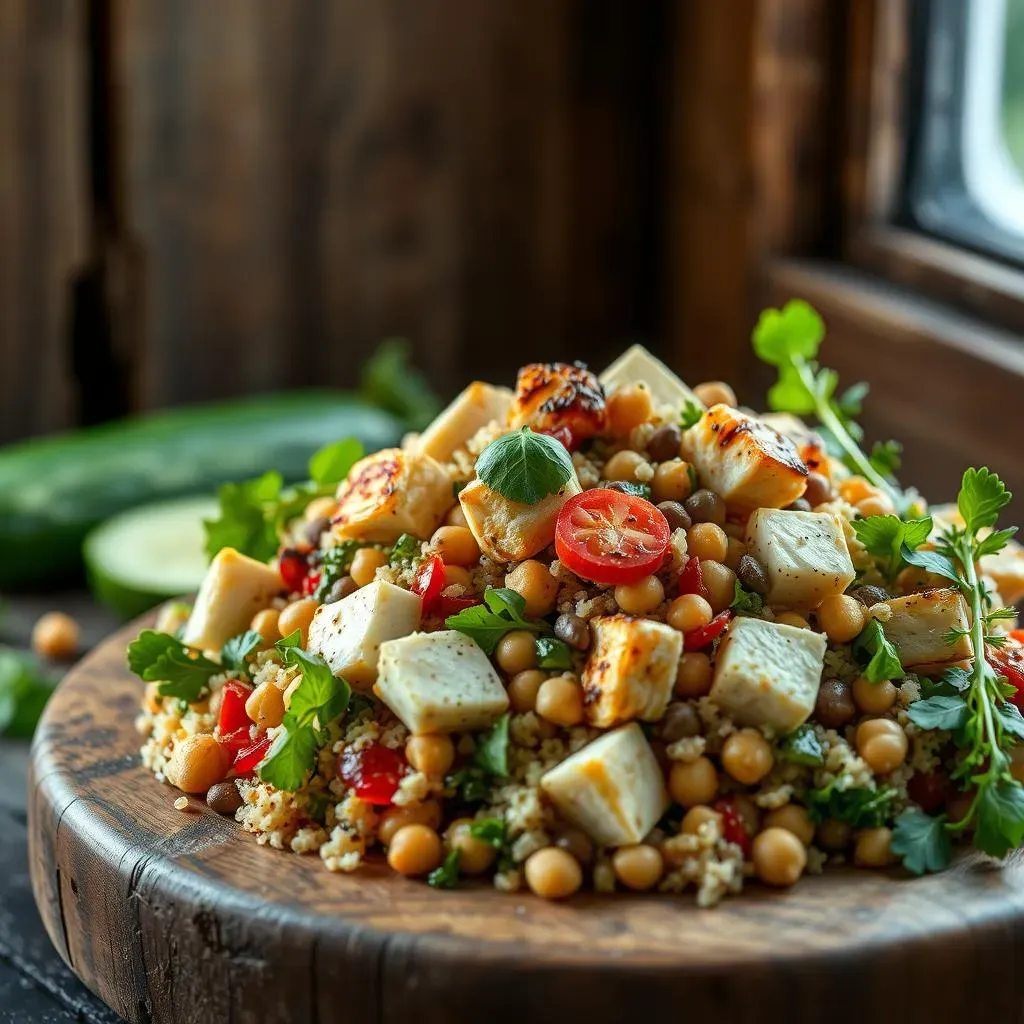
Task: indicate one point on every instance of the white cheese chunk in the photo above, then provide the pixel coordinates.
(917, 627)
(747, 462)
(440, 682)
(768, 674)
(804, 554)
(630, 671)
(637, 366)
(348, 633)
(391, 492)
(509, 531)
(476, 407)
(613, 788)
(234, 589)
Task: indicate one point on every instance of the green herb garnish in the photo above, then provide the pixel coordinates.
(859, 807)
(887, 538)
(502, 611)
(334, 564)
(922, 842)
(407, 551)
(802, 746)
(878, 656)
(524, 466)
(553, 653)
(389, 382)
(235, 653)
(746, 602)
(447, 875)
(24, 691)
(180, 672)
(632, 489)
(691, 414)
(490, 761)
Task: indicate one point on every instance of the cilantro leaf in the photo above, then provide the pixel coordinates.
(994, 542)
(885, 537)
(691, 414)
(794, 331)
(447, 875)
(334, 564)
(878, 656)
(1000, 817)
(524, 466)
(922, 842)
(243, 523)
(940, 712)
(802, 746)
(553, 653)
(234, 653)
(161, 658)
(501, 612)
(24, 691)
(859, 807)
(746, 602)
(982, 495)
(290, 758)
(492, 749)
(330, 465)
(886, 457)
(932, 561)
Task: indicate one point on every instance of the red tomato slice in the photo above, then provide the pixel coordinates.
(606, 536)
(232, 715)
(1009, 661)
(429, 582)
(733, 828)
(691, 579)
(373, 772)
(699, 638)
(248, 758)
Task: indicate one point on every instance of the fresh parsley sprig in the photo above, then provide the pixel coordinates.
(490, 762)
(503, 610)
(691, 414)
(888, 539)
(746, 602)
(802, 746)
(789, 339)
(877, 654)
(524, 466)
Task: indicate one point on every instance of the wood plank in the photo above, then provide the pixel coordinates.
(42, 208)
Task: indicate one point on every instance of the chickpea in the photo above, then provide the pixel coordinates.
(694, 782)
(523, 689)
(431, 754)
(624, 465)
(779, 857)
(707, 540)
(715, 392)
(705, 506)
(475, 856)
(266, 624)
(688, 612)
(456, 517)
(720, 583)
(876, 505)
(883, 747)
(792, 619)
(628, 407)
(560, 700)
(671, 481)
(640, 598)
(457, 576)
(694, 675)
(265, 705)
(456, 545)
(533, 581)
(747, 756)
(735, 551)
(297, 616)
(55, 635)
(833, 835)
(697, 816)
(874, 698)
(873, 848)
(834, 706)
(575, 841)
(793, 818)
(855, 488)
(638, 867)
(365, 563)
(516, 652)
(552, 873)
(198, 763)
(394, 818)
(415, 850)
(841, 617)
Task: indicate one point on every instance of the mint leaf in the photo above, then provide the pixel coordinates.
(746, 602)
(982, 495)
(922, 842)
(234, 653)
(161, 658)
(553, 653)
(691, 414)
(492, 749)
(501, 612)
(877, 654)
(886, 457)
(524, 466)
(802, 746)
(940, 712)
(447, 875)
(330, 465)
(1000, 817)
(293, 639)
(492, 831)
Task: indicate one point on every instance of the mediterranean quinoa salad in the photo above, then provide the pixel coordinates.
(605, 631)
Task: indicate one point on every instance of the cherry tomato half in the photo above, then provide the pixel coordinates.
(293, 566)
(609, 537)
(232, 715)
(1009, 661)
(373, 772)
(697, 639)
(428, 583)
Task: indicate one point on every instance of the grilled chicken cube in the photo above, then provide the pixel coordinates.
(1006, 567)
(919, 625)
(613, 788)
(809, 445)
(630, 671)
(804, 554)
(479, 405)
(348, 633)
(637, 366)
(748, 463)
(391, 492)
(564, 400)
(440, 682)
(768, 674)
(509, 531)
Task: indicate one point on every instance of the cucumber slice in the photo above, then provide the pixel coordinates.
(148, 554)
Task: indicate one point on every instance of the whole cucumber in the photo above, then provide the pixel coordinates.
(53, 490)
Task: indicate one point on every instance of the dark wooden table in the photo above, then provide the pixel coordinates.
(35, 985)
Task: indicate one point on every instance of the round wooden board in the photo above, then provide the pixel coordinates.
(180, 917)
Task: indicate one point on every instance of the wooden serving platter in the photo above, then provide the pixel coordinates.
(180, 917)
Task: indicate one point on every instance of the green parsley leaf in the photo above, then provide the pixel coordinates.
(939, 712)
(1011, 719)
(501, 612)
(932, 561)
(334, 564)
(628, 487)
(851, 402)
(524, 466)
(922, 842)
(330, 465)
(390, 382)
(802, 746)
(492, 831)
(858, 807)
(1000, 815)
(293, 639)
(885, 537)
(161, 658)
(877, 654)
(234, 653)
(691, 414)
(243, 523)
(492, 749)
(994, 542)
(24, 691)
(472, 784)
(886, 457)
(407, 551)
(553, 653)
(290, 759)
(746, 602)
(795, 331)
(982, 496)
(447, 875)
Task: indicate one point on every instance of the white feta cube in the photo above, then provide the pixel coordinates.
(768, 674)
(630, 671)
(917, 627)
(613, 788)
(804, 554)
(476, 407)
(637, 366)
(440, 682)
(348, 633)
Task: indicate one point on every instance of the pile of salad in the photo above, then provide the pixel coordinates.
(605, 631)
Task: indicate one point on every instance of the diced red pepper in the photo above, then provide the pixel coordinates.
(733, 828)
(428, 583)
(373, 772)
(453, 605)
(293, 567)
(248, 758)
(691, 579)
(232, 715)
(699, 638)
(310, 583)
